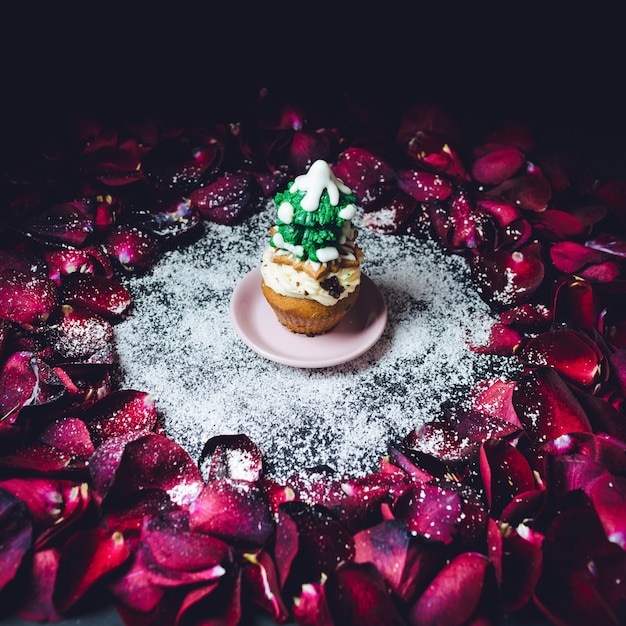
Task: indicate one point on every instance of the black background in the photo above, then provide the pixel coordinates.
(560, 68)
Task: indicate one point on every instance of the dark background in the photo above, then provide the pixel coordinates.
(560, 68)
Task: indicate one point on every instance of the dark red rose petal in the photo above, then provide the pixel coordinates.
(530, 191)
(608, 244)
(507, 279)
(575, 305)
(505, 472)
(454, 594)
(88, 260)
(431, 511)
(99, 294)
(546, 406)
(356, 594)
(322, 542)
(81, 335)
(406, 564)
(85, 559)
(15, 535)
(363, 172)
(503, 212)
(311, 607)
(26, 298)
(555, 225)
(68, 224)
(582, 573)
(573, 355)
(391, 213)
(519, 565)
(183, 162)
(528, 317)
(228, 199)
(570, 256)
(120, 412)
(153, 461)
(497, 165)
(231, 456)
(132, 248)
(494, 398)
(172, 220)
(424, 186)
(38, 605)
(233, 510)
(178, 556)
(69, 435)
(261, 581)
(26, 380)
(502, 340)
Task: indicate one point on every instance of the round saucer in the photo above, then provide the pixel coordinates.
(257, 326)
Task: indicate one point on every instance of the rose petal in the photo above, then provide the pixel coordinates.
(356, 594)
(81, 335)
(569, 256)
(530, 191)
(431, 511)
(389, 214)
(231, 456)
(505, 473)
(99, 294)
(575, 305)
(68, 224)
(502, 341)
(582, 572)
(70, 435)
(15, 535)
(311, 607)
(233, 510)
(572, 354)
(454, 594)
(556, 225)
(497, 165)
(183, 162)
(424, 186)
(546, 406)
(406, 564)
(229, 199)
(132, 248)
(323, 543)
(26, 298)
(507, 279)
(363, 172)
(120, 412)
(38, 605)
(86, 558)
(26, 381)
(260, 578)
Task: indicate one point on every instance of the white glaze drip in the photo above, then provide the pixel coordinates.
(285, 212)
(319, 178)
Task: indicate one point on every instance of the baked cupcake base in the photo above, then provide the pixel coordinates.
(308, 317)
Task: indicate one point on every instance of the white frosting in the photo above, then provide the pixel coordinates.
(329, 253)
(348, 212)
(319, 178)
(285, 212)
(286, 280)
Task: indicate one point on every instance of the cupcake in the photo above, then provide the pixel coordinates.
(311, 269)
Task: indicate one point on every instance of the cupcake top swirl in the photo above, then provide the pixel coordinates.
(314, 216)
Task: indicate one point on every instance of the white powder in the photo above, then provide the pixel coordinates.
(180, 346)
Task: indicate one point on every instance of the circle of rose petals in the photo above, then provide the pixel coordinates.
(514, 503)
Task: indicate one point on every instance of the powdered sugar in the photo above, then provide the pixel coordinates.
(179, 345)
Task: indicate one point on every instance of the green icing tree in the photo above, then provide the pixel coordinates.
(312, 229)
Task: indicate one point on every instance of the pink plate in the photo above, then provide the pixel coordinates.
(255, 322)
